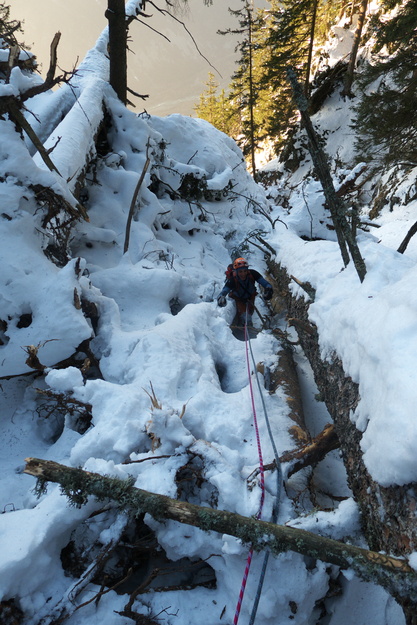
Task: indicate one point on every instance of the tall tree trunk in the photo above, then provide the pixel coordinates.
(116, 17)
(347, 88)
(310, 48)
(251, 95)
(336, 207)
(388, 514)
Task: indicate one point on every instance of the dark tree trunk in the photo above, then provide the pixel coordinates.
(344, 233)
(116, 17)
(251, 95)
(347, 89)
(388, 515)
(310, 48)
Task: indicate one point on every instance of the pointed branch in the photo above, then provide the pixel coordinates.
(313, 452)
(133, 202)
(306, 286)
(394, 574)
(20, 120)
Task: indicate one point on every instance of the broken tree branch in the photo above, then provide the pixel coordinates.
(50, 79)
(394, 574)
(133, 203)
(313, 452)
(306, 286)
(20, 120)
(53, 58)
(407, 238)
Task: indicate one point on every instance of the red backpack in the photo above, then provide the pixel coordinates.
(229, 273)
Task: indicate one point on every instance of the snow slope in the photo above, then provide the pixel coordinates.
(160, 334)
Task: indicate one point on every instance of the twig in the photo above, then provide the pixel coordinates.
(164, 12)
(149, 457)
(134, 198)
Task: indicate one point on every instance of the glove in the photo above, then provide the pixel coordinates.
(267, 294)
(221, 301)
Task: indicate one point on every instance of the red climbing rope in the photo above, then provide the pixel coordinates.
(262, 480)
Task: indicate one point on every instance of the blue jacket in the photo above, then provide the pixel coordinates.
(244, 289)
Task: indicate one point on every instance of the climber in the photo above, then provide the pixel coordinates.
(241, 287)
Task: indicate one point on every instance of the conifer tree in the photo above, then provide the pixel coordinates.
(216, 108)
(244, 88)
(387, 114)
(290, 26)
(9, 27)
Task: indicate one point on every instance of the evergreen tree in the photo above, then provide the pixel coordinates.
(289, 44)
(216, 108)
(260, 96)
(8, 27)
(386, 118)
(245, 86)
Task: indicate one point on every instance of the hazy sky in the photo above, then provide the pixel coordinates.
(173, 74)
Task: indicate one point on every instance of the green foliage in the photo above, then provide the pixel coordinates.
(245, 93)
(41, 487)
(386, 116)
(271, 41)
(216, 108)
(400, 30)
(8, 27)
(287, 45)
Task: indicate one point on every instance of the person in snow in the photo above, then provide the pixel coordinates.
(241, 287)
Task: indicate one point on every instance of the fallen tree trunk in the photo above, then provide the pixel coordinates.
(387, 514)
(392, 573)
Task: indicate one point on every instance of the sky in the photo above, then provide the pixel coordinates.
(172, 73)
(161, 332)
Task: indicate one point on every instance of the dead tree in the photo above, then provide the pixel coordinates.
(394, 574)
(388, 516)
(347, 87)
(116, 17)
(310, 48)
(345, 238)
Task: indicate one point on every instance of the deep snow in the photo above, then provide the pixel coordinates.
(191, 361)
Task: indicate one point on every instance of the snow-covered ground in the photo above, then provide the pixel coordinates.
(161, 335)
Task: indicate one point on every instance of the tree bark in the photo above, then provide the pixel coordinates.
(310, 48)
(337, 209)
(116, 17)
(251, 94)
(347, 89)
(387, 513)
(392, 573)
(407, 238)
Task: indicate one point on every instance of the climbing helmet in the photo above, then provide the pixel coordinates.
(240, 263)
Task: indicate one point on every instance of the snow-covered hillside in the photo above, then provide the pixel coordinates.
(166, 395)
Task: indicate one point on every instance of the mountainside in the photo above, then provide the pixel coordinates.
(115, 358)
(163, 60)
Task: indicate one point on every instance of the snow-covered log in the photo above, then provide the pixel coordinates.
(393, 573)
(387, 513)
